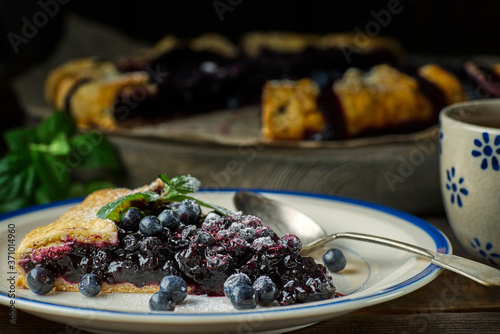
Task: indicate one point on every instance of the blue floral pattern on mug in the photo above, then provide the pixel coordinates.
(487, 252)
(455, 187)
(487, 151)
(441, 135)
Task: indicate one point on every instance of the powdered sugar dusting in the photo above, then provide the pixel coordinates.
(133, 302)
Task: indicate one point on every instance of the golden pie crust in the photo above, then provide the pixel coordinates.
(79, 224)
(290, 109)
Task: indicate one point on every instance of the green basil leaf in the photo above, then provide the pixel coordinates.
(55, 124)
(114, 209)
(93, 150)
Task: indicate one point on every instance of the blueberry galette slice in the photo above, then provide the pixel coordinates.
(131, 239)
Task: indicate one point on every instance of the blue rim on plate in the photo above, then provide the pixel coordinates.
(441, 241)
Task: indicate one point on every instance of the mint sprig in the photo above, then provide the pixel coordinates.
(42, 161)
(114, 209)
(176, 190)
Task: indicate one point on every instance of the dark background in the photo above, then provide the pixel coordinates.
(456, 27)
(446, 27)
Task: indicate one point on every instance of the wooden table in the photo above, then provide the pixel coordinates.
(449, 304)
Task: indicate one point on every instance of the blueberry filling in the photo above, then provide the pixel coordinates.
(204, 255)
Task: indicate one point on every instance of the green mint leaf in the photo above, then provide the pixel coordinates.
(14, 204)
(223, 211)
(36, 170)
(16, 177)
(15, 161)
(166, 180)
(177, 188)
(93, 150)
(58, 146)
(176, 197)
(114, 209)
(42, 195)
(98, 185)
(53, 175)
(30, 182)
(20, 138)
(175, 191)
(76, 189)
(185, 184)
(55, 124)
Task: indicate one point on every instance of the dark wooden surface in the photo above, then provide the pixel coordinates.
(449, 304)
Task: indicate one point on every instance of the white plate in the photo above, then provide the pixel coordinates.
(374, 274)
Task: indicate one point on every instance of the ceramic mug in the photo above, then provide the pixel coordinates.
(470, 175)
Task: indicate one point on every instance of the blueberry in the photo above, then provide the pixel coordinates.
(174, 286)
(188, 231)
(248, 233)
(40, 280)
(90, 285)
(150, 246)
(130, 219)
(235, 227)
(243, 296)
(150, 225)
(266, 290)
(265, 231)
(204, 238)
(189, 211)
(291, 242)
(263, 243)
(170, 219)
(334, 260)
(161, 301)
(131, 242)
(234, 280)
